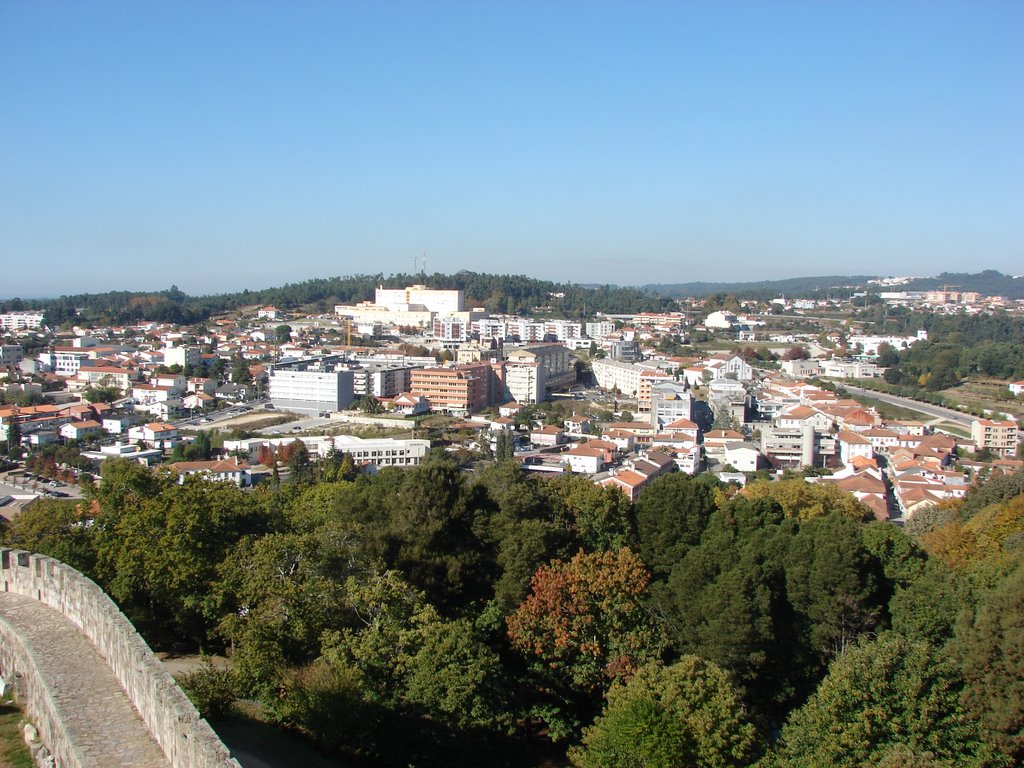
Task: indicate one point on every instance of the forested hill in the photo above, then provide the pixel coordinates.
(765, 289)
(497, 293)
(988, 283)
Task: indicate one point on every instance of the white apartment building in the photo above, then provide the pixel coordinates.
(490, 328)
(183, 356)
(450, 328)
(600, 328)
(525, 381)
(381, 380)
(21, 321)
(65, 360)
(612, 374)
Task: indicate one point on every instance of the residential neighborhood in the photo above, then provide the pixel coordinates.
(621, 399)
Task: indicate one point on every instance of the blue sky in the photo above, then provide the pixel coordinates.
(228, 145)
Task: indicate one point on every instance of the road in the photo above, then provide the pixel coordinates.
(935, 411)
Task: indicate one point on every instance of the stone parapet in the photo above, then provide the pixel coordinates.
(183, 736)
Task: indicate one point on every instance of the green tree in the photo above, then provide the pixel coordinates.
(101, 394)
(881, 696)
(277, 596)
(663, 717)
(505, 446)
(369, 404)
(240, 370)
(283, 333)
(989, 643)
(300, 465)
(671, 515)
(56, 528)
(457, 678)
(13, 437)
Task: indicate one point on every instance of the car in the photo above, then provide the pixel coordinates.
(54, 483)
(269, 406)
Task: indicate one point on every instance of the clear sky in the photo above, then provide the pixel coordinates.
(222, 145)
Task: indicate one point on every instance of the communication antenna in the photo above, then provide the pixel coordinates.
(424, 267)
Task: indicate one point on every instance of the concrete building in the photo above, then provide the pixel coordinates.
(559, 372)
(380, 451)
(21, 321)
(450, 328)
(670, 401)
(800, 369)
(440, 301)
(613, 374)
(184, 355)
(11, 354)
(793, 448)
(458, 389)
(313, 386)
(999, 437)
(525, 381)
(380, 379)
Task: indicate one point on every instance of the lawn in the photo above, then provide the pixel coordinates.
(13, 752)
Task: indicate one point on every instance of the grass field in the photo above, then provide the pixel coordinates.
(987, 394)
(13, 752)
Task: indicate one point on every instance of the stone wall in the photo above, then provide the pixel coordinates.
(34, 695)
(185, 738)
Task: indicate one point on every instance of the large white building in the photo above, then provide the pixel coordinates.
(430, 299)
(20, 321)
(186, 355)
(613, 374)
(314, 386)
(525, 381)
(380, 451)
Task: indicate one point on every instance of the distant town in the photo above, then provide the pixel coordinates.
(738, 388)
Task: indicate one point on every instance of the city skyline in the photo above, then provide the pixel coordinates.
(247, 145)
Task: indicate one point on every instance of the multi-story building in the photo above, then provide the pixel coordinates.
(670, 401)
(65, 361)
(615, 375)
(381, 380)
(559, 371)
(11, 354)
(805, 446)
(999, 437)
(183, 356)
(379, 451)
(107, 376)
(649, 379)
(450, 329)
(459, 389)
(433, 300)
(600, 328)
(525, 382)
(314, 385)
(21, 321)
